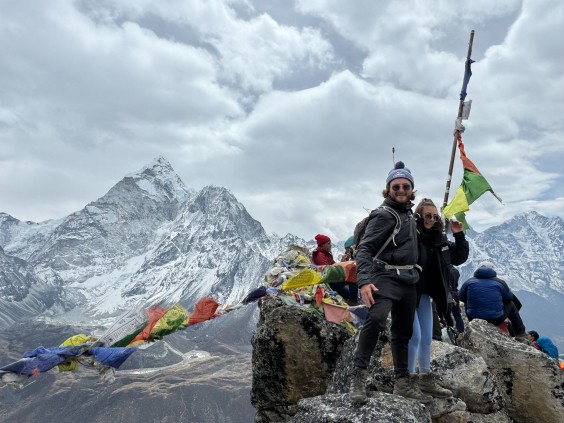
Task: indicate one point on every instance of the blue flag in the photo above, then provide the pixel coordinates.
(467, 75)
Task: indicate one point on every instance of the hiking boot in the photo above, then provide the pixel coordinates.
(429, 386)
(408, 387)
(357, 386)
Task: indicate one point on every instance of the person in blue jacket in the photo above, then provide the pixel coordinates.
(544, 344)
(488, 298)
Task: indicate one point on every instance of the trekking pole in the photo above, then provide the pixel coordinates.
(461, 112)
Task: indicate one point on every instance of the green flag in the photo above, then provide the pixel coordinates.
(472, 187)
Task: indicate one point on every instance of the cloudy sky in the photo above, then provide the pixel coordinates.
(293, 105)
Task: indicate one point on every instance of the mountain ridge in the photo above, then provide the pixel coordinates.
(150, 239)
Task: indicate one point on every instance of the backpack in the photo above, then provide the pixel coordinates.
(360, 228)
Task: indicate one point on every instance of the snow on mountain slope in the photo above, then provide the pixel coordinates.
(148, 240)
(24, 239)
(216, 248)
(528, 252)
(152, 240)
(120, 225)
(22, 292)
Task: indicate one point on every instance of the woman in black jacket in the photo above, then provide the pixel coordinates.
(436, 254)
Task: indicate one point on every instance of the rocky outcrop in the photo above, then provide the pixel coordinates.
(532, 384)
(493, 377)
(381, 407)
(294, 356)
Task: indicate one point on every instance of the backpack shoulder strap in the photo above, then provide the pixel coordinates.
(396, 229)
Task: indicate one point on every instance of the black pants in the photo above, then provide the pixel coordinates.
(349, 291)
(437, 331)
(509, 310)
(402, 307)
(456, 313)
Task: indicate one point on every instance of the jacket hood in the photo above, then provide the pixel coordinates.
(485, 273)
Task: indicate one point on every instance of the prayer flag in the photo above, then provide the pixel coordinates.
(467, 75)
(472, 187)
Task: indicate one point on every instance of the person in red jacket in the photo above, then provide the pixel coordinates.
(322, 255)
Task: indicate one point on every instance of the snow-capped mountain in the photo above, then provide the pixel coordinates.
(528, 253)
(22, 292)
(148, 240)
(214, 248)
(111, 230)
(152, 240)
(528, 250)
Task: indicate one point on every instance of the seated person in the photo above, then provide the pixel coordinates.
(322, 255)
(488, 298)
(543, 344)
(349, 249)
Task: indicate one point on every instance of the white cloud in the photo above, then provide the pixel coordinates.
(252, 53)
(295, 110)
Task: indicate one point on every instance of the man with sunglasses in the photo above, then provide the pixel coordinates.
(387, 276)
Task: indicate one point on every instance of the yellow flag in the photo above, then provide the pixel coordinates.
(304, 278)
(459, 204)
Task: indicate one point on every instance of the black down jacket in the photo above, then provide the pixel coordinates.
(401, 251)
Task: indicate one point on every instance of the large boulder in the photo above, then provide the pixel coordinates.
(295, 351)
(467, 376)
(531, 383)
(380, 369)
(302, 364)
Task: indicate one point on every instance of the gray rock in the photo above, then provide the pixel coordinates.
(493, 378)
(381, 407)
(294, 356)
(380, 369)
(531, 383)
(467, 376)
(465, 417)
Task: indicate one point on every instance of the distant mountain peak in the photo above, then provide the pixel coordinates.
(217, 200)
(159, 175)
(217, 192)
(530, 219)
(159, 165)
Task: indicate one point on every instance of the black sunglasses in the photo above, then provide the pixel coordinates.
(429, 216)
(406, 187)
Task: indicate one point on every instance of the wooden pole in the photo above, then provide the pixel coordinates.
(459, 118)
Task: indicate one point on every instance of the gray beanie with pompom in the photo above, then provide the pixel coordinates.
(400, 171)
